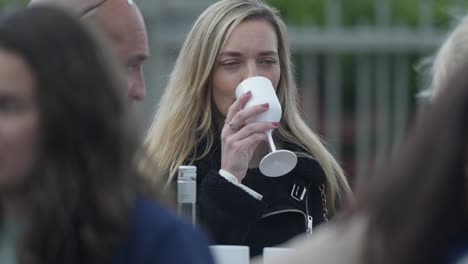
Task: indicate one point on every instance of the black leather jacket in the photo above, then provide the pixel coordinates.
(291, 204)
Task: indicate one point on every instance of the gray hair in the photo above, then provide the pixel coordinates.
(451, 55)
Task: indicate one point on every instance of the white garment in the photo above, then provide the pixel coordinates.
(232, 179)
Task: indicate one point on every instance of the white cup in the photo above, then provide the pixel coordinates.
(230, 254)
(273, 254)
(262, 92)
(277, 162)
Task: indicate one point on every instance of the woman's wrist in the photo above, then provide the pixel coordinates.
(238, 175)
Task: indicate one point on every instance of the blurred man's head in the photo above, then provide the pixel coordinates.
(122, 23)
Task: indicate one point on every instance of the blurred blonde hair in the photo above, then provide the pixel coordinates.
(185, 116)
(451, 55)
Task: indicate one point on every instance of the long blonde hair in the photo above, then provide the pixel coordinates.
(185, 116)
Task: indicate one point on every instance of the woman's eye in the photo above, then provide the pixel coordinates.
(229, 63)
(269, 61)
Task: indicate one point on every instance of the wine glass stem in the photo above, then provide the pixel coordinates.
(270, 140)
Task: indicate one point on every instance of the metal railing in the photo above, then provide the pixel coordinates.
(357, 83)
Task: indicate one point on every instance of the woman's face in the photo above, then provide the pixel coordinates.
(19, 121)
(250, 50)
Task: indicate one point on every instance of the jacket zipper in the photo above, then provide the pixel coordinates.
(308, 218)
(309, 225)
(283, 211)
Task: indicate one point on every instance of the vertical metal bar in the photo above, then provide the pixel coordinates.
(156, 83)
(333, 83)
(155, 65)
(309, 84)
(363, 110)
(333, 13)
(333, 103)
(401, 97)
(425, 15)
(382, 13)
(382, 83)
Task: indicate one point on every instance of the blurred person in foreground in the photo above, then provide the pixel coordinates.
(199, 121)
(415, 210)
(123, 27)
(69, 188)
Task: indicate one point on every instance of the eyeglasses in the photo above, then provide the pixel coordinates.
(92, 7)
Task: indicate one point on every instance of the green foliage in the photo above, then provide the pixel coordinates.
(402, 12)
(357, 12)
(405, 12)
(11, 3)
(300, 11)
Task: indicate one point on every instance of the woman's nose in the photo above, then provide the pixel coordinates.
(251, 70)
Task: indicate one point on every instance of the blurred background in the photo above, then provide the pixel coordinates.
(356, 63)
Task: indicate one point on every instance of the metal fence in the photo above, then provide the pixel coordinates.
(357, 83)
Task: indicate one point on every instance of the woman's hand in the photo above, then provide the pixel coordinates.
(239, 141)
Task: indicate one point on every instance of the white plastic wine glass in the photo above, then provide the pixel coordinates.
(277, 162)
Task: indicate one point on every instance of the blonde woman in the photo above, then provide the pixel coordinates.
(200, 122)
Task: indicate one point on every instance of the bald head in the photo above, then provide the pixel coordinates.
(122, 24)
